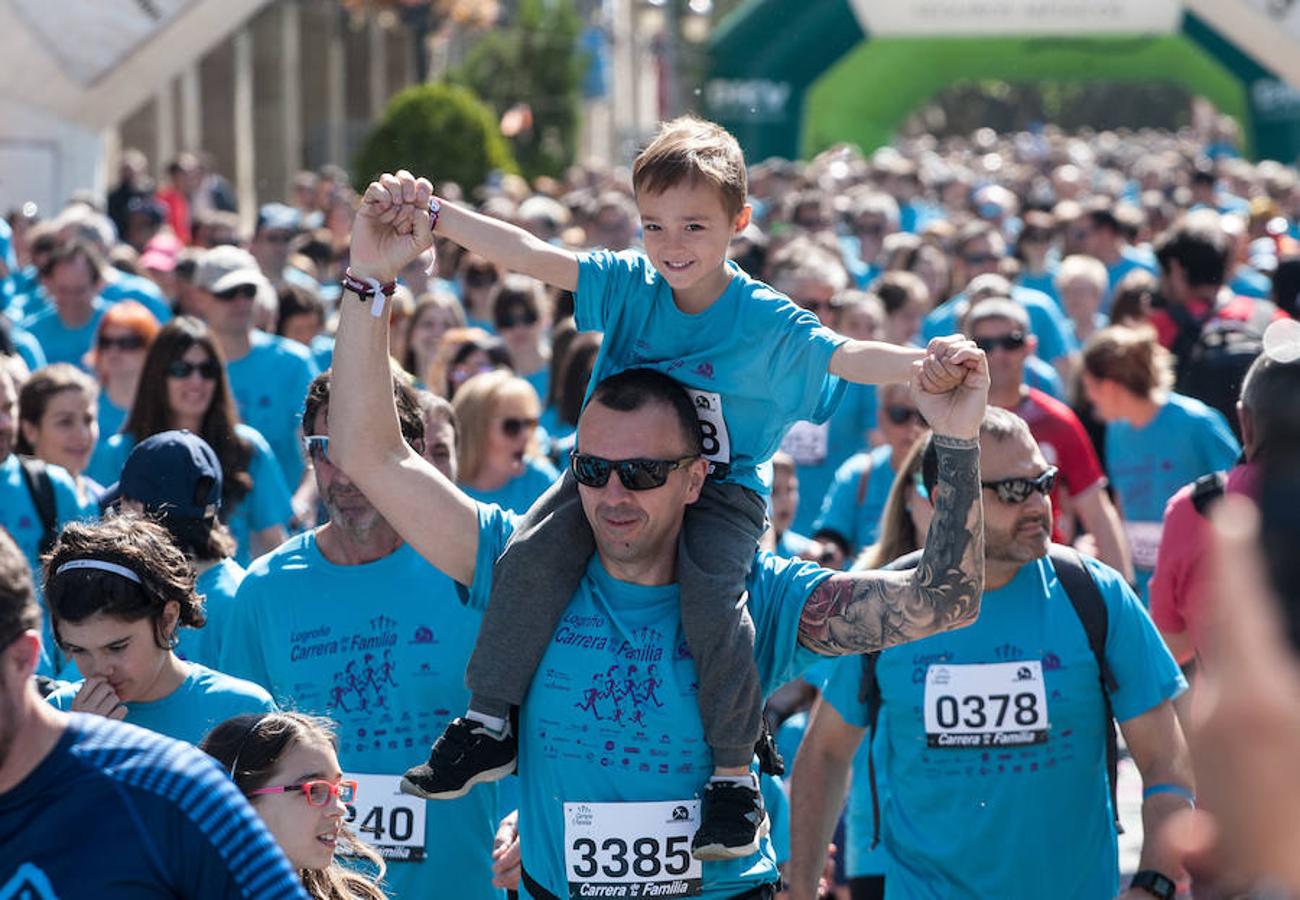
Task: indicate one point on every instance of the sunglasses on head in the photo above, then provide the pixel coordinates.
(1018, 490)
(904, 415)
(513, 427)
(635, 474)
(522, 318)
(207, 370)
(318, 793)
(127, 342)
(238, 292)
(1013, 341)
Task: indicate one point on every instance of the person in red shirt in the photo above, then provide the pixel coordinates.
(182, 180)
(1000, 327)
(1183, 570)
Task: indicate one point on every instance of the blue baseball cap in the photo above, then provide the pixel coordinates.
(174, 472)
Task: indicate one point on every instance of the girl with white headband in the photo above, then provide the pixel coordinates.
(117, 592)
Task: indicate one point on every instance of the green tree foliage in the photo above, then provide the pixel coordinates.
(440, 131)
(533, 60)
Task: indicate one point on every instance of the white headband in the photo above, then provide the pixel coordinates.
(98, 564)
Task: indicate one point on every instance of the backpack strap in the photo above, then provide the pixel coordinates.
(1090, 607)
(870, 697)
(41, 487)
(1207, 489)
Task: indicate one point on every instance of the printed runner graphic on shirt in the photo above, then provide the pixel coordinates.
(28, 883)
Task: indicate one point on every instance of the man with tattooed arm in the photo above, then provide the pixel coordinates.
(612, 752)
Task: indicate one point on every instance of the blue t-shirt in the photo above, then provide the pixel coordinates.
(61, 343)
(755, 361)
(217, 587)
(322, 351)
(858, 520)
(18, 517)
(1046, 319)
(1130, 258)
(612, 717)
(203, 701)
(1043, 282)
(142, 291)
(841, 692)
(118, 811)
(266, 505)
(1042, 376)
(28, 347)
(111, 419)
(541, 382)
(1147, 466)
(519, 492)
(819, 450)
(951, 812)
(381, 649)
(270, 385)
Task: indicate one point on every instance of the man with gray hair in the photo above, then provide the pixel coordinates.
(1000, 327)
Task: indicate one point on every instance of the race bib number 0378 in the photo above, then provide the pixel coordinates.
(631, 849)
(989, 705)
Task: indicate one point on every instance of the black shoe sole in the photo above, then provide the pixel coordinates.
(485, 777)
(716, 852)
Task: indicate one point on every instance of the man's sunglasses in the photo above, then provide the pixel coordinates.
(980, 259)
(127, 342)
(636, 474)
(512, 427)
(1013, 341)
(318, 793)
(1018, 490)
(241, 291)
(904, 415)
(208, 371)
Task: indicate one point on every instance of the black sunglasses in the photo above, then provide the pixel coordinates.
(129, 342)
(524, 318)
(1018, 490)
(636, 474)
(512, 427)
(1013, 341)
(980, 259)
(208, 370)
(903, 415)
(244, 291)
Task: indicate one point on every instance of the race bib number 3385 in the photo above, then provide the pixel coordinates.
(986, 705)
(631, 849)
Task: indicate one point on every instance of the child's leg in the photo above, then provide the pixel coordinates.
(714, 556)
(532, 584)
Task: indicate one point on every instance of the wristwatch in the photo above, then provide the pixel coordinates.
(1155, 884)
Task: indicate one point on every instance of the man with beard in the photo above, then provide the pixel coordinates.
(91, 808)
(349, 621)
(992, 746)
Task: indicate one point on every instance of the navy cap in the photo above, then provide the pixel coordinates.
(173, 472)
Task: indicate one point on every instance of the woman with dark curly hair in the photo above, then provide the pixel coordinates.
(117, 593)
(287, 765)
(184, 387)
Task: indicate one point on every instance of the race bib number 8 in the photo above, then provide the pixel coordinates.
(713, 429)
(391, 822)
(989, 705)
(631, 849)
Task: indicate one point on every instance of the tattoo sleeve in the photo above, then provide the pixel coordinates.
(863, 612)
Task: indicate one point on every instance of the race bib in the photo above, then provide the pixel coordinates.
(391, 822)
(631, 849)
(713, 430)
(1144, 542)
(988, 705)
(806, 443)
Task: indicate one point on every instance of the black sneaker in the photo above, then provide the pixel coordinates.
(466, 754)
(732, 822)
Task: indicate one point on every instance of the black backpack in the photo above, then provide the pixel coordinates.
(41, 487)
(1088, 605)
(1213, 355)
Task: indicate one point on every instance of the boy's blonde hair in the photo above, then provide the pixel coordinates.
(692, 150)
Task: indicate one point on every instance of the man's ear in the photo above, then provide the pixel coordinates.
(696, 473)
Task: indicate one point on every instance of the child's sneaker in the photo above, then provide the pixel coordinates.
(732, 822)
(467, 753)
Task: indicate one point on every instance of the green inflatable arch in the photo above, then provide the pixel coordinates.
(793, 84)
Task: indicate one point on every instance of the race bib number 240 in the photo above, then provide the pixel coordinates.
(631, 849)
